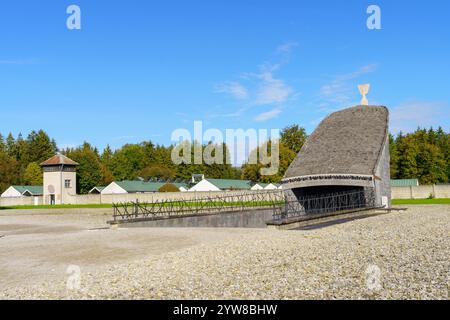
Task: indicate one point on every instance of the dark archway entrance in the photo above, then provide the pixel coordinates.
(326, 199)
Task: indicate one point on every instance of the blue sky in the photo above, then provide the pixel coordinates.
(138, 70)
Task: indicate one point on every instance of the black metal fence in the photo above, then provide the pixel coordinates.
(201, 204)
(314, 205)
(283, 206)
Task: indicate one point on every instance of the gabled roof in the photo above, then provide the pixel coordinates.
(349, 141)
(34, 190)
(404, 182)
(99, 189)
(139, 186)
(59, 159)
(227, 184)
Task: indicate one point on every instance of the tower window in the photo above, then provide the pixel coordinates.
(67, 184)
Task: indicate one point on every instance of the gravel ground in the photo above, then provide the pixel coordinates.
(394, 256)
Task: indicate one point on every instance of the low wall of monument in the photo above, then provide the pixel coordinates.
(251, 218)
(413, 192)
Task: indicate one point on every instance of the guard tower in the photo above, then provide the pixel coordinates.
(60, 183)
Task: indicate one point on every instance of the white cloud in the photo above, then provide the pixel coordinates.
(235, 89)
(268, 115)
(408, 116)
(339, 90)
(262, 88)
(287, 47)
(271, 90)
(235, 114)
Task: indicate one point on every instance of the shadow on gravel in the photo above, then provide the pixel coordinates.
(336, 222)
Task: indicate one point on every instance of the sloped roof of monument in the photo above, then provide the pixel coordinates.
(59, 159)
(349, 141)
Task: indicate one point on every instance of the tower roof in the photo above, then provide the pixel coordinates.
(59, 159)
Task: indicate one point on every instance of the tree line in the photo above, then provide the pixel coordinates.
(423, 154)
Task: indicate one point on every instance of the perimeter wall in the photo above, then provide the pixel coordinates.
(414, 192)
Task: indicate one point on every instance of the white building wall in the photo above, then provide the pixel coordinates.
(114, 188)
(204, 186)
(54, 184)
(11, 192)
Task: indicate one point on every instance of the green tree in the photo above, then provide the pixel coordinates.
(423, 155)
(157, 171)
(168, 187)
(128, 162)
(107, 155)
(89, 172)
(293, 137)
(106, 174)
(443, 141)
(17, 148)
(106, 165)
(2, 144)
(432, 165)
(39, 147)
(394, 157)
(253, 171)
(33, 174)
(10, 144)
(9, 171)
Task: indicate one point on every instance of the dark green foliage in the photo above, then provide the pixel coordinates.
(89, 172)
(423, 154)
(128, 162)
(157, 171)
(39, 147)
(9, 171)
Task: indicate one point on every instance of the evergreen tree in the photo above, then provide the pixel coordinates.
(106, 165)
(39, 147)
(394, 157)
(2, 144)
(10, 144)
